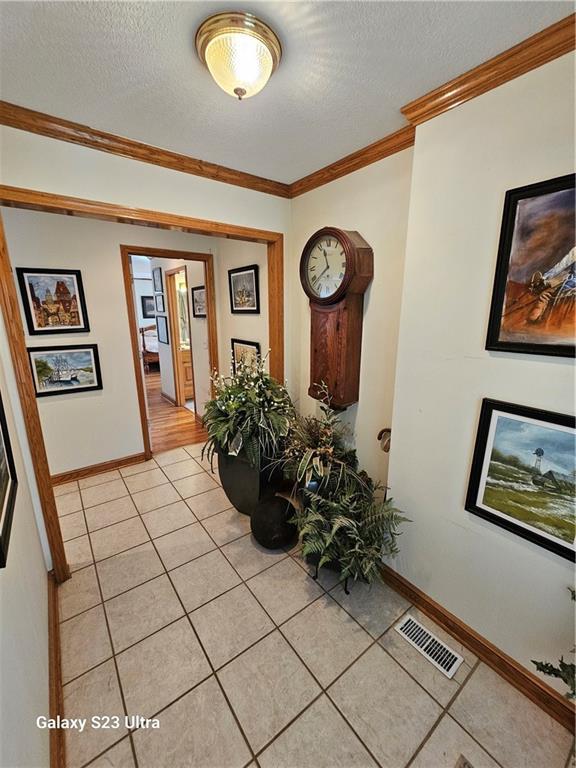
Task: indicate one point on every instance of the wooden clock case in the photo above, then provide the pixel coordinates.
(336, 321)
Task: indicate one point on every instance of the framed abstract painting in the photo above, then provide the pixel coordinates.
(157, 280)
(534, 297)
(162, 329)
(53, 300)
(524, 473)
(148, 307)
(244, 290)
(198, 301)
(246, 352)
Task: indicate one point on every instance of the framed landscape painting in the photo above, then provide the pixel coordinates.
(244, 290)
(534, 298)
(148, 308)
(246, 352)
(63, 370)
(199, 301)
(8, 485)
(53, 300)
(524, 473)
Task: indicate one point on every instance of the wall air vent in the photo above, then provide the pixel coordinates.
(429, 646)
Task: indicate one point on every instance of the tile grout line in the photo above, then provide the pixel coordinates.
(111, 644)
(251, 751)
(276, 627)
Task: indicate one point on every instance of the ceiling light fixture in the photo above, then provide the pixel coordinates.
(240, 51)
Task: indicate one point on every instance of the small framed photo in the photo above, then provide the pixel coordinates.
(162, 329)
(523, 474)
(63, 370)
(534, 295)
(157, 280)
(247, 352)
(148, 307)
(53, 300)
(199, 301)
(8, 485)
(159, 301)
(244, 290)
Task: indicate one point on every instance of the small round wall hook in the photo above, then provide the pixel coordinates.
(385, 436)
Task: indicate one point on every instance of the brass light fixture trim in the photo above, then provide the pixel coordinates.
(237, 22)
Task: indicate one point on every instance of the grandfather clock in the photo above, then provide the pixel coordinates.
(336, 268)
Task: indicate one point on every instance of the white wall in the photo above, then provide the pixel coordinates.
(231, 254)
(374, 201)
(37, 162)
(23, 618)
(508, 589)
(85, 428)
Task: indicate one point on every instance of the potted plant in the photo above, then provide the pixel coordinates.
(349, 531)
(247, 421)
(344, 520)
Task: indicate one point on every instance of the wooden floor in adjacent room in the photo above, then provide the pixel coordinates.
(171, 426)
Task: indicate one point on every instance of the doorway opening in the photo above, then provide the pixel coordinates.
(170, 297)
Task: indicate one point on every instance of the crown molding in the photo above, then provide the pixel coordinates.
(394, 142)
(25, 119)
(549, 44)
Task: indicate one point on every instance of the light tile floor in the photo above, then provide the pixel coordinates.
(174, 612)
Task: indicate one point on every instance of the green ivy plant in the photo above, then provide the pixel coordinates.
(565, 670)
(250, 413)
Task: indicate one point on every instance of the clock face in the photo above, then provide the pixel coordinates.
(325, 266)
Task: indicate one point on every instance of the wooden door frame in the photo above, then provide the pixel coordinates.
(47, 202)
(27, 393)
(163, 253)
(173, 320)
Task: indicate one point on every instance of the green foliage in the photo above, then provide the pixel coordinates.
(344, 519)
(318, 450)
(352, 528)
(43, 369)
(250, 412)
(565, 671)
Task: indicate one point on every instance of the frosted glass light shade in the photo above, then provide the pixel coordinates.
(240, 52)
(240, 64)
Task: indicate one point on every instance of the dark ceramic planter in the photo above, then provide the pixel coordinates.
(244, 485)
(269, 523)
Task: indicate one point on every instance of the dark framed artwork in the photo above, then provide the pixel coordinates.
(162, 329)
(159, 301)
(8, 486)
(244, 290)
(534, 295)
(53, 300)
(148, 307)
(157, 280)
(247, 352)
(198, 301)
(65, 369)
(523, 474)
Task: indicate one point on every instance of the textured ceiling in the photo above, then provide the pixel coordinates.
(131, 69)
